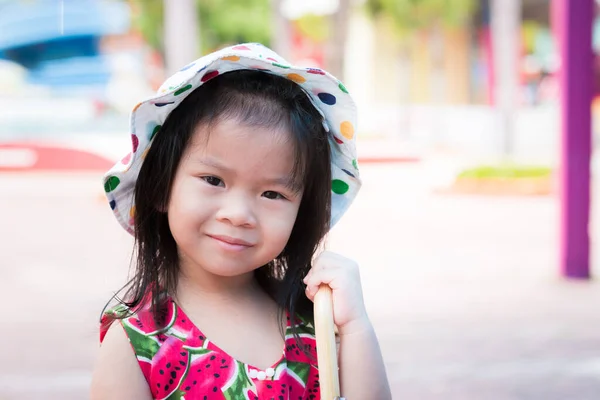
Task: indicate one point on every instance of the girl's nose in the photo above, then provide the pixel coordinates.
(237, 210)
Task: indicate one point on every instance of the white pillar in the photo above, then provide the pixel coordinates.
(281, 40)
(181, 34)
(506, 28)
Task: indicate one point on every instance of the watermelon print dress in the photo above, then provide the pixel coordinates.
(179, 362)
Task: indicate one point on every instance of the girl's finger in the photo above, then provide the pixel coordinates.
(311, 291)
(323, 276)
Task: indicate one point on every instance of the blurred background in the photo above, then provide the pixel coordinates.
(476, 229)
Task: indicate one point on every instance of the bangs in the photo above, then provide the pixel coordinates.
(260, 111)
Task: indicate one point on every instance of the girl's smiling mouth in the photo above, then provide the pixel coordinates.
(231, 243)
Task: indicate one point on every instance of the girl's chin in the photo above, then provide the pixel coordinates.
(226, 270)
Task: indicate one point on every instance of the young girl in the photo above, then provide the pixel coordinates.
(239, 167)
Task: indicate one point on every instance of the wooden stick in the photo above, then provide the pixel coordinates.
(329, 381)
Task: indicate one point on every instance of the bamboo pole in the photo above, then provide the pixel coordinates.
(326, 349)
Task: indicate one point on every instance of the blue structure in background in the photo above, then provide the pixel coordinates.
(57, 41)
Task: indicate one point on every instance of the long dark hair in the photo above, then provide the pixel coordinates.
(258, 99)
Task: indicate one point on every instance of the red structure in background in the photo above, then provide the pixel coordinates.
(37, 157)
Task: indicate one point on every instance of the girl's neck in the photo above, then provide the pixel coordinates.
(225, 290)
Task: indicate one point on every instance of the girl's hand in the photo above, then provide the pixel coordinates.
(341, 274)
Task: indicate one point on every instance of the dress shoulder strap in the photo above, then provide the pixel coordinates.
(144, 335)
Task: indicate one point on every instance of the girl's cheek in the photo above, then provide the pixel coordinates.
(284, 218)
(192, 201)
(279, 208)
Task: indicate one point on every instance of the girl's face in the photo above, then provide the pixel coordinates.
(233, 205)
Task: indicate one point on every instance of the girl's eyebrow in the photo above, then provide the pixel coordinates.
(211, 162)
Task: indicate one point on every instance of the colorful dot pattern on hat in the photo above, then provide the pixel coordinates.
(349, 173)
(183, 89)
(342, 87)
(135, 142)
(347, 130)
(126, 159)
(190, 65)
(327, 98)
(296, 78)
(154, 131)
(111, 184)
(209, 75)
(131, 215)
(339, 186)
(316, 71)
(326, 93)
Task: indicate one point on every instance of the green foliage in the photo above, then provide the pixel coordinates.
(148, 19)
(412, 15)
(221, 22)
(234, 21)
(506, 172)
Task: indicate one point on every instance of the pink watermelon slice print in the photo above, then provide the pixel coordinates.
(170, 366)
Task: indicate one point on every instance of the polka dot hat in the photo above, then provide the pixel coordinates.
(327, 94)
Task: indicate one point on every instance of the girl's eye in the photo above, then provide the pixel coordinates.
(269, 194)
(213, 180)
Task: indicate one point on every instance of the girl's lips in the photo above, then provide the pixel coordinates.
(230, 243)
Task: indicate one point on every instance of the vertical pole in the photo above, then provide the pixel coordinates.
(336, 44)
(181, 34)
(506, 44)
(573, 27)
(485, 42)
(281, 40)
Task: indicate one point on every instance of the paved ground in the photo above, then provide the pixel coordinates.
(463, 291)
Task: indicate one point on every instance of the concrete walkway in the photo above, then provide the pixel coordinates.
(463, 291)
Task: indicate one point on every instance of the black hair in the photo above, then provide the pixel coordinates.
(259, 99)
